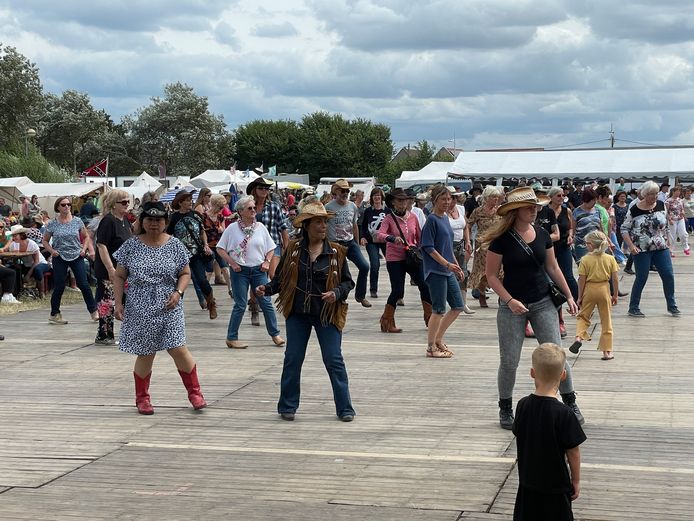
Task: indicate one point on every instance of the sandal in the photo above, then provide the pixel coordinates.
(435, 352)
(607, 357)
(443, 347)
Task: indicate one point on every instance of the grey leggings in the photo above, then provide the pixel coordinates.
(545, 321)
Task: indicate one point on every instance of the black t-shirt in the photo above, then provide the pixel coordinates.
(523, 278)
(545, 429)
(470, 204)
(564, 225)
(546, 218)
(5, 210)
(372, 222)
(112, 233)
(575, 198)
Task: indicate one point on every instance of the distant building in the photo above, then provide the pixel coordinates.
(447, 154)
(405, 152)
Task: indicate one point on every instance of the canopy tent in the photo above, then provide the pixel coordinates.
(182, 181)
(434, 172)
(143, 184)
(223, 178)
(290, 185)
(10, 189)
(49, 192)
(608, 163)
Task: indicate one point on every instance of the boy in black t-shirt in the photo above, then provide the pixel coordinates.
(547, 435)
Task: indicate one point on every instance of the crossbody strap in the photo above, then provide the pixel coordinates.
(401, 234)
(525, 246)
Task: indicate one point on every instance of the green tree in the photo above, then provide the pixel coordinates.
(269, 143)
(179, 131)
(20, 98)
(72, 133)
(424, 156)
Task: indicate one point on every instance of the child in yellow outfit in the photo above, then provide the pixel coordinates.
(594, 274)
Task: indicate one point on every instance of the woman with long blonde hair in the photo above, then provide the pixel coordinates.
(526, 253)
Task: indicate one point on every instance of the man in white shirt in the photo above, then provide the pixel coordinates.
(343, 229)
(664, 192)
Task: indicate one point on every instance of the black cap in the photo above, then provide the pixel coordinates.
(152, 209)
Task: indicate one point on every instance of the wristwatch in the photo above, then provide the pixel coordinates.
(179, 292)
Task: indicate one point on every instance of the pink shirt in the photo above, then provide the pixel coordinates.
(410, 229)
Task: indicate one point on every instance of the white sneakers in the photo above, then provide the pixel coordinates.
(8, 298)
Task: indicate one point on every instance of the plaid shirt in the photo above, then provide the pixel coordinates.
(274, 220)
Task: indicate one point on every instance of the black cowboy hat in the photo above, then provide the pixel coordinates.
(398, 193)
(259, 181)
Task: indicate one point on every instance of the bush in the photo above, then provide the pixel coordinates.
(35, 167)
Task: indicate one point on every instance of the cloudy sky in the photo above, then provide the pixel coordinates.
(492, 73)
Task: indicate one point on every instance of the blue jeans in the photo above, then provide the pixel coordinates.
(374, 250)
(566, 264)
(642, 264)
(240, 281)
(199, 276)
(79, 270)
(618, 253)
(579, 253)
(442, 289)
(354, 254)
(330, 339)
(39, 271)
(511, 328)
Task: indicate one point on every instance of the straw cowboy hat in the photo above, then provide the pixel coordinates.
(258, 181)
(311, 210)
(341, 184)
(18, 228)
(520, 197)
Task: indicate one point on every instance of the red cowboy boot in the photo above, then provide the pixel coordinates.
(190, 380)
(142, 401)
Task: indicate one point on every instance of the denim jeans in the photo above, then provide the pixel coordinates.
(354, 254)
(579, 253)
(330, 339)
(618, 253)
(511, 328)
(39, 271)
(199, 276)
(396, 273)
(240, 282)
(442, 289)
(642, 264)
(79, 270)
(566, 264)
(374, 249)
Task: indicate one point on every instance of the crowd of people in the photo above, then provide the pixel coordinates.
(525, 244)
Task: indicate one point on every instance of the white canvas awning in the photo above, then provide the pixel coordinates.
(143, 184)
(10, 189)
(49, 192)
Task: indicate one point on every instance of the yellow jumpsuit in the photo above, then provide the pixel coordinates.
(597, 271)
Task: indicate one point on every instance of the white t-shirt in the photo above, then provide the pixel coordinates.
(341, 227)
(259, 244)
(32, 248)
(458, 225)
(421, 217)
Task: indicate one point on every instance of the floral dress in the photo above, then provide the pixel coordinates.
(484, 222)
(148, 326)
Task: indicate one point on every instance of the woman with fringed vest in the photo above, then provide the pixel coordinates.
(313, 282)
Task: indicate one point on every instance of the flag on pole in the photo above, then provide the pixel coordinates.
(100, 169)
(162, 170)
(272, 171)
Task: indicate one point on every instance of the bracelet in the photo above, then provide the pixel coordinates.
(509, 300)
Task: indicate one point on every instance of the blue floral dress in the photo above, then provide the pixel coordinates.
(148, 326)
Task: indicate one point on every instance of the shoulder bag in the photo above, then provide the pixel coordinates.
(413, 256)
(558, 298)
(198, 242)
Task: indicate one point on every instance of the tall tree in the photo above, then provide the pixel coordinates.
(20, 97)
(424, 156)
(72, 133)
(180, 132)
(269, 143)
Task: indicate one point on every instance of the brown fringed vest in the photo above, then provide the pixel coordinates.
(335, 313)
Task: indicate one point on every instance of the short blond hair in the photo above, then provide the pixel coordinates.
(112, 197)
(548, 361)
(218, 201)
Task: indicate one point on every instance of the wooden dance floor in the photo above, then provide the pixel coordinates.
(426, 444)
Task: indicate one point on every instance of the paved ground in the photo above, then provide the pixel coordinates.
(425, 445)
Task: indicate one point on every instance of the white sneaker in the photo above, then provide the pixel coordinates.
(8, 298)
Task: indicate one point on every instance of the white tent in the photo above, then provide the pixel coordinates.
(609, 163)
(181, 182)
(49, 192)
(210, 178)
(10, 189)
(434, 172)
(143, 184)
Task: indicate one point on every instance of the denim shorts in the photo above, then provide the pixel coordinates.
(444, 288)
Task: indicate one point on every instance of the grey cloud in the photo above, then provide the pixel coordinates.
(225, 34)
(446, 24)
(131, 16)
(280, 30)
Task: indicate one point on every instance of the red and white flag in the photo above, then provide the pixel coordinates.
(98, 170)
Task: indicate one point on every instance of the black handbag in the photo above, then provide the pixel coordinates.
(413, 256)
(201, 248)
(558, 298)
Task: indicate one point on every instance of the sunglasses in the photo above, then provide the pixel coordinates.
(250, 208)
(343, 191)
(262, 187)
(65, 204)
(124, 203)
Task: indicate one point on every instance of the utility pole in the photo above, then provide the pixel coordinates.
(611, 136)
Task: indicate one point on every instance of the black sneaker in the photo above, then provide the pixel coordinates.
(288, 416)
(629, 271)
(636, 314)
(506, 414)
(347, 418)
(569, 400)
(575, 347)
(675, 312)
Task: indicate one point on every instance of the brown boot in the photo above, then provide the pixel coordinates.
(388, 320)
(253, 307)
(427, 312)
(211, 306)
